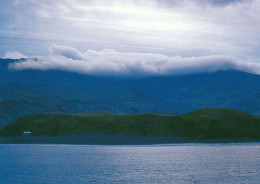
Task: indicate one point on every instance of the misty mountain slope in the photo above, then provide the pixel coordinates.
(31, 91)
(229, 89)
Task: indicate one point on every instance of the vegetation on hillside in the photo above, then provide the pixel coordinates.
(208, 123)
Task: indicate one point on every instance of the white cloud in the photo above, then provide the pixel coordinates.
(187, 27)
(109, 62)
(13, 55)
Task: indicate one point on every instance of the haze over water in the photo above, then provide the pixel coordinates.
(178, 163)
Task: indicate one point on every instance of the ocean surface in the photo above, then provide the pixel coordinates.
(175, 163)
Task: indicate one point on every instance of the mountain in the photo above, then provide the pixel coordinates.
(33, 91)
(205, 124)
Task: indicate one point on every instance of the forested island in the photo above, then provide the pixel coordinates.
(209, 124)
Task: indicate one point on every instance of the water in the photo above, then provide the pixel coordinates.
(179, 163)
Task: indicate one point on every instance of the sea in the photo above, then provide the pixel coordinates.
(170, 163)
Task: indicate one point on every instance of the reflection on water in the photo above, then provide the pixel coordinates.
(180, 163)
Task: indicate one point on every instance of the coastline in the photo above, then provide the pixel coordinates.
(114, 140)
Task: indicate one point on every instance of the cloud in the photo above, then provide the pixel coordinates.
(171, 27)
(109, 62)
(66, 51)
(13, 55)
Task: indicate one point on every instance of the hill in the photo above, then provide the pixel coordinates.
(209, 123)
(30, 91)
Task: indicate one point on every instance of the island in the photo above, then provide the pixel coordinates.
(204, 125)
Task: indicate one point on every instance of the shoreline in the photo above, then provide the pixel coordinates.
(114, 140)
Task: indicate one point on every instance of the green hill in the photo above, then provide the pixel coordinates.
(208, 123)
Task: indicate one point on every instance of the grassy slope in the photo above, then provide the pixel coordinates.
(209, 123)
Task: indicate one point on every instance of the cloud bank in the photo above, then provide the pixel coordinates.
(109, 62)
(13, 55)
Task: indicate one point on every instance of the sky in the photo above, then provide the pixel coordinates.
(132, 37)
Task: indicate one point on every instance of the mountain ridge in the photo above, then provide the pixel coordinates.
(52, 91)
